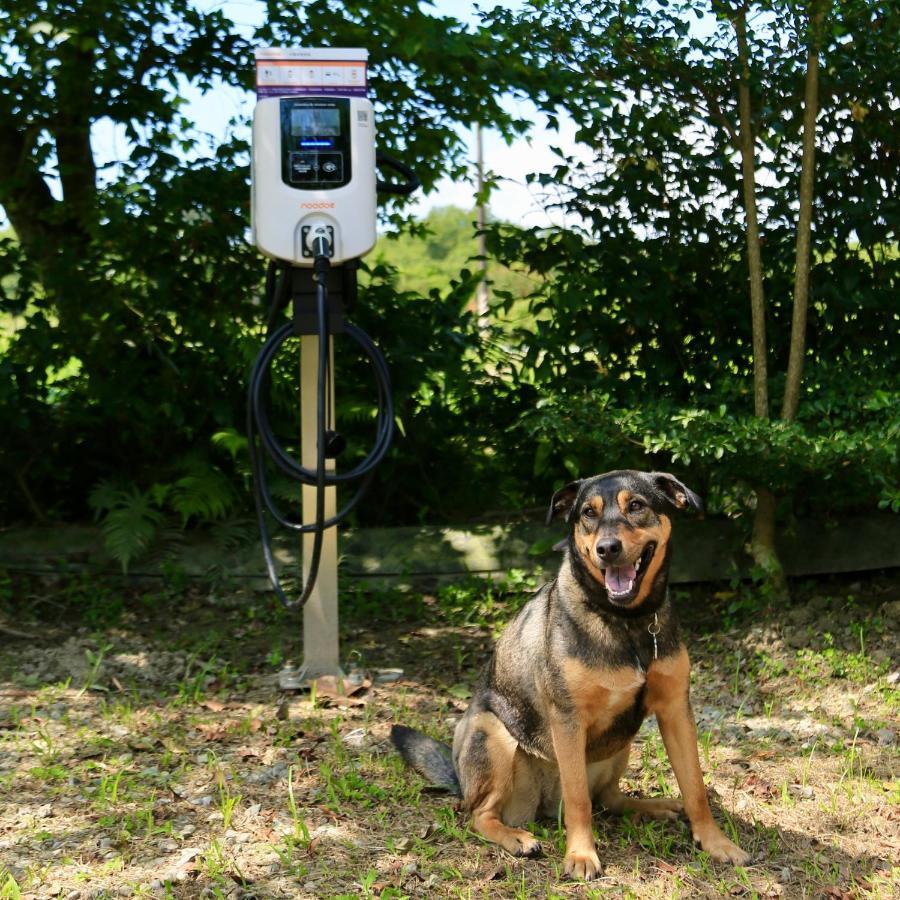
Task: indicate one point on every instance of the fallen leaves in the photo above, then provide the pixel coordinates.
(757, 786)
(330, 690)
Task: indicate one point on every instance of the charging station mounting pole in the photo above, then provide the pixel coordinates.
(313, 174)
(313, 213)
(321, 654)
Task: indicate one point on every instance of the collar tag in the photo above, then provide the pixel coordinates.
(654, 630)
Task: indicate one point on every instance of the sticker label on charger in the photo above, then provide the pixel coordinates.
(305, 72)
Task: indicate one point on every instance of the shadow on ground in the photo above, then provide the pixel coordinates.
(145, 749)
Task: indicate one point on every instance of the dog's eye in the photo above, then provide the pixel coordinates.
(589, 512)
(636, 505)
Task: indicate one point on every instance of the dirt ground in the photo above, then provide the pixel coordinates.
(146, 751)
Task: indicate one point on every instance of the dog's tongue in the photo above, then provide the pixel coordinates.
(620, 578)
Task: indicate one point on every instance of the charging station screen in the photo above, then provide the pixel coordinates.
(315, 122)
(315, 142)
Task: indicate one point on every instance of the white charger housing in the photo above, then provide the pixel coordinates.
(313, 173)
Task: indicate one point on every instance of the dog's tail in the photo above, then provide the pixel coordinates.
(430, 758)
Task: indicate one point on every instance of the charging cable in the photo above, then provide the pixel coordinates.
(262, 442)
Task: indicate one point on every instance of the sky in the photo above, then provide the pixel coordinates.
(512, 200)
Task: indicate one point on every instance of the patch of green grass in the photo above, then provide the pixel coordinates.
(99, 606)
(486, 603)
(349, 785)
(832, 662)
(655, 767)
(54, 772)
(228, 803)
(198, 677)
(658, 838)
(107, 794)
(367, 603)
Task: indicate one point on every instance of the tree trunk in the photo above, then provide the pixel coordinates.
(56, 233)
(804, 222)
(754, 255)
(762, 544)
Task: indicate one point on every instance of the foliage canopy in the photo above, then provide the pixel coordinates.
(131, 300)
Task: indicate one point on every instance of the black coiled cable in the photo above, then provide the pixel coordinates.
(260, 436)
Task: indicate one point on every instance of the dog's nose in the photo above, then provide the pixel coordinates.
(609, 548)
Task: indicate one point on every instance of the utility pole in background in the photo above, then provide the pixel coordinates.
(482, 294)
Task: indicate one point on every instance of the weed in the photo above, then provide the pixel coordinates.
(298, 838)
(95, 660)
(228, 804)
(705, 742)
(804, 772)
(193, 686)
(9, 887)
(367, 881)
(832, 662)
(49, 773)
(44, 745)
(489, 604)
(99, 606)
(214, 862)
(107, 793)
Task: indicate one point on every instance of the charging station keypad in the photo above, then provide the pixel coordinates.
(307, 168)
(315, 142)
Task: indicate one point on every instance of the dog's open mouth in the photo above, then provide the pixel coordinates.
(622, 582)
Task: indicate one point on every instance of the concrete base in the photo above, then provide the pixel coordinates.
(291, 678)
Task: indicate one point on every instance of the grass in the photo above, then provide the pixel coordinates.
(145, 749)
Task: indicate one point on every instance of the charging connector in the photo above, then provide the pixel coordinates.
(317, 240)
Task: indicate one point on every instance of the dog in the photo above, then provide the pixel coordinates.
(573, 676)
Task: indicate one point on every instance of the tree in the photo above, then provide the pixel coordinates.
(683, 105)
(135, 293)
(131, 299)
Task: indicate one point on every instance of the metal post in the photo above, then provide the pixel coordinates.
(320, 615)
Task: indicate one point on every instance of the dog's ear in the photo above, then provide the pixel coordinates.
(679, 495)
(562, 500)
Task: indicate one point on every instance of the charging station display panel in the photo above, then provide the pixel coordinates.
(315, 142)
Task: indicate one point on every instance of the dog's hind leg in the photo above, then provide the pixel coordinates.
(605, 787)
(485, 756)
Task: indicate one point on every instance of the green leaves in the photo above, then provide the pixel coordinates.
(129, 520)
(204, 496)
(621, 339)
(134, 522)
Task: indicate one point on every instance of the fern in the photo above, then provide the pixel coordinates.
(105, 496)
(283, 488)
(205, 495)
(138, 523)
(130, 524)
(232, 440)
(232, 534)
(168, 543)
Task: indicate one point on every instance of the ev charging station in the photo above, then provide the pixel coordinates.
(313, 214)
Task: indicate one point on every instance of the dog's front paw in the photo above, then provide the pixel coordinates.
(528, 846)
(720, 848)
(583, 864)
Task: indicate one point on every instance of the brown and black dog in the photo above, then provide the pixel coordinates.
(572, 678)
